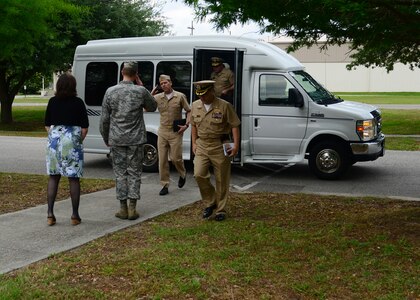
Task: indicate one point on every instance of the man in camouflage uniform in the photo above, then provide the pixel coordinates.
(170, 105)
(212, 121)
(122, 128)
(224, 79)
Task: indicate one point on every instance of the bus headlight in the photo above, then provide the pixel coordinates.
(366, 129)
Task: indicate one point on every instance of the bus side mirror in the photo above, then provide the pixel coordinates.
(295, 97)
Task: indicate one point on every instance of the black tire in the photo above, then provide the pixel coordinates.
(151, 157)
(329, 160)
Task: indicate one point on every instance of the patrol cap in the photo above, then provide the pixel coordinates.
(130, 65)
(164, 77)
(216, 61)
(203, 86)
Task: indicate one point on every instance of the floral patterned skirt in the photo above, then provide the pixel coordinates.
(65, 151)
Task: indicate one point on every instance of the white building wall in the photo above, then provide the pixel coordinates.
(329, 68)
(335, 77)
(401, 79)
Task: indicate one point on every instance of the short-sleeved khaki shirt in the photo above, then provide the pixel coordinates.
(171, 109)
(215, 123)
(224, 79)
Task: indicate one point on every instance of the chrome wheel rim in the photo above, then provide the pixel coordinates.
(150, 155)
(328, 161)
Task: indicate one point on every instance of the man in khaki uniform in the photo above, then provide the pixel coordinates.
(170, 104)
(224, 79)
(212, 121)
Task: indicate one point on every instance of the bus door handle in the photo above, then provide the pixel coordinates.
(256, 122)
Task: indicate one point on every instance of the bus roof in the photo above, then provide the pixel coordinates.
(259, 54)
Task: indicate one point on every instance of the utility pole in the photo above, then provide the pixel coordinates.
(192, 28)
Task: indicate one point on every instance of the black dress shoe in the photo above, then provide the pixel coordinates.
(220, 217)
(164, 191)
(181, 181)
(208, 211)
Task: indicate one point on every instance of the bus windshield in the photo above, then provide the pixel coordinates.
(316, 91)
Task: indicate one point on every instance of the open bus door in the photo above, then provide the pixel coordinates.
(234, 59)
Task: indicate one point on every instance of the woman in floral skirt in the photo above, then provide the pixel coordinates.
(67, 123)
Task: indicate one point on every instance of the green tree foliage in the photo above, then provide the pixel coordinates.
(119, 18)
(34, 85)
(381, 32)
(29, 43)
(41, 36)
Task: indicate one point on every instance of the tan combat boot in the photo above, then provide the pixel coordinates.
(123, 213)
(132, 213)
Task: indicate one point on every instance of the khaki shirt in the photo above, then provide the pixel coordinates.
(224, 79)
(215, 123)
(171, 109)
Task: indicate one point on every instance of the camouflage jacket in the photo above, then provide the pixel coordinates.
(122, 122)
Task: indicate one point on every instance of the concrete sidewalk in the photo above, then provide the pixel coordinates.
(26, 238)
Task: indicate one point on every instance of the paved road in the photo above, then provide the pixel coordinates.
(394, 175)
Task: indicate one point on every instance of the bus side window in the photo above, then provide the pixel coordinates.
(99, 77)
(274, 90)
(180, 73)
(145, 70)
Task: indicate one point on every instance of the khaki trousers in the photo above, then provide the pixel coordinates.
(169, 145)
(210, 153)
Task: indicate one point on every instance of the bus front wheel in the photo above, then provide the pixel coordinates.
(329, 160)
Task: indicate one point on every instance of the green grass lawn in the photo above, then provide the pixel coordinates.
(21, 191)
(401, 121)
(272, 246)
(402, 143)
(381, 98)
(28, 121)
(31, 100)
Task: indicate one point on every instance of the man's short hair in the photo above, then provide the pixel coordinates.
(130, 68)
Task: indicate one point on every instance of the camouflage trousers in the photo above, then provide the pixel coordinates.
(127, 162)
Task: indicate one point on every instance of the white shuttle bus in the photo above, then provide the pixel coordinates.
(286, 115)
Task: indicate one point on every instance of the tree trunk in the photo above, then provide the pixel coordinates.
(6, 111)
(5, 99)
(8, 92)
